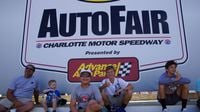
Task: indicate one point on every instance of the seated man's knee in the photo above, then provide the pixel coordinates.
(128, 93)
(161, 92)
(185, 87)
(162, 87)
(92, 104)
(104, 94)
(29, 104)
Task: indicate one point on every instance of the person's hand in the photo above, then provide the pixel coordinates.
(126, 89)
(17, 104)
(106, 84)
(51, 89)
(48, 90)
(118, 92)
(178, 76)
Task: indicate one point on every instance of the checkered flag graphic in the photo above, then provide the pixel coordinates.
(124, 69)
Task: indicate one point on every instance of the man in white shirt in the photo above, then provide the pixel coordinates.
(115, 91)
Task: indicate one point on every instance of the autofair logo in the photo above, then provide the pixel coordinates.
(55, 32)
(126, 68)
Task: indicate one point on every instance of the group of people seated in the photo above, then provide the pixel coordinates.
(113, 94)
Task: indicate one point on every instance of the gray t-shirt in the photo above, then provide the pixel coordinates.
(24, 87)
(84, 95)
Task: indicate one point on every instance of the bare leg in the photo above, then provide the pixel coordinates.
(105, 99)
(161, 92)
(127, 96)
(26, 107)
(93, 106)
(54, 104)
(183, 92)
(44, 104)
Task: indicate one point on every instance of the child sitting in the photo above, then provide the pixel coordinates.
(52, 96)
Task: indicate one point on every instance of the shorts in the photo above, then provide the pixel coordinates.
(81, 110)
(8, 104)
(172, 99)
(116, 100)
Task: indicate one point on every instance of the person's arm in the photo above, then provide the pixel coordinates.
(181, 80)
(104, 85)
(129, 87)
(72, 105)
(125, 86)
(47, 90)
(165, 80)
(177, 76)
(10, 95)
(12, 98)
(98, 99)
(97, 95)
(57, 94)
(36, 96)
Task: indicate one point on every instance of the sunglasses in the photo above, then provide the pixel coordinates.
(30, 68)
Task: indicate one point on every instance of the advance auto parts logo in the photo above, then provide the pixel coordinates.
(126, 68)
(98, 1)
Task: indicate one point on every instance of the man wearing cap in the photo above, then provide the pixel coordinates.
(86, 96)
(20, 91)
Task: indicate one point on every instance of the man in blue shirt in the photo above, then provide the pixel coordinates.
(20, 91)
(172, 87)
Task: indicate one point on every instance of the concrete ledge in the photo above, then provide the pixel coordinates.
(140, 102)
(131, 108)
(40, 109)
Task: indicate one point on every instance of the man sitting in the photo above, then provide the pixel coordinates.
(115, 91)
(20, 91)
(172, 87)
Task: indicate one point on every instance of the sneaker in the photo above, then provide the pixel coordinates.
(184, 110)
(165, 110)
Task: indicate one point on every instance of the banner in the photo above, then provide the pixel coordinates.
(56, 32)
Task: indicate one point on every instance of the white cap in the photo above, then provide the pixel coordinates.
(86, 71)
